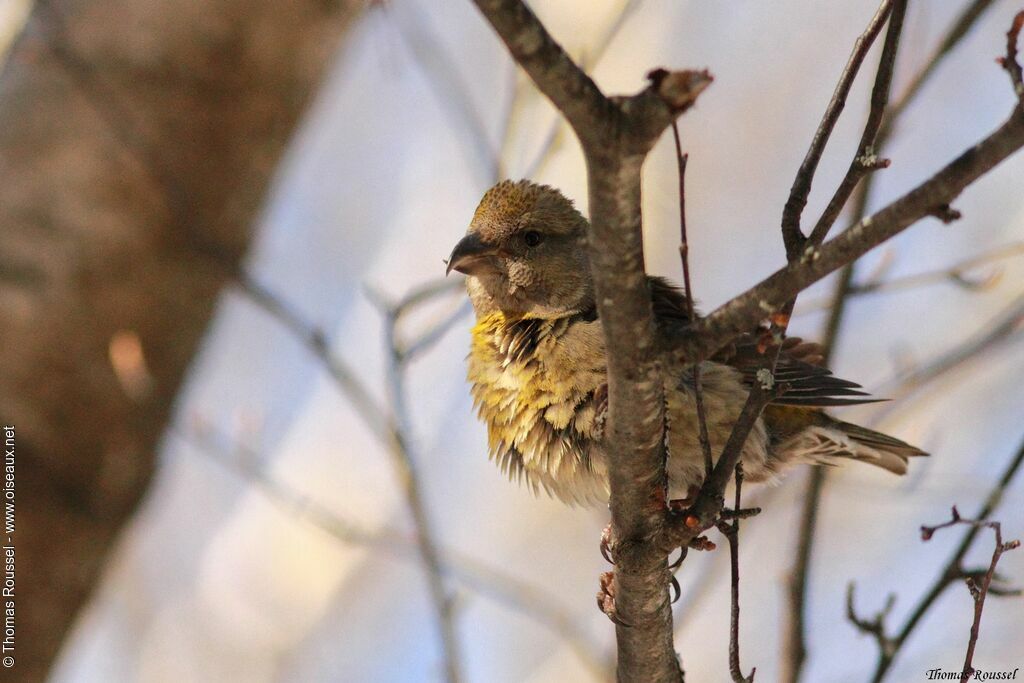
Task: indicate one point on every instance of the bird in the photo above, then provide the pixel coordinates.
(537, 366)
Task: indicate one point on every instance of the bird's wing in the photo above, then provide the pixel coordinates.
(798, 367)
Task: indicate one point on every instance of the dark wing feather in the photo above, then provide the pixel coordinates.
(668, 301)
(810, 385)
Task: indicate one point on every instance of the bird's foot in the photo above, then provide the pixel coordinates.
(606, 598)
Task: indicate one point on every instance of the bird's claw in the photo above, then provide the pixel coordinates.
(607, 545)
(606, 598)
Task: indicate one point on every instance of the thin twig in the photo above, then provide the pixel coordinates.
(691, 309)
(680, 529)
(1009, 62)
(315, 340)
(956, 274)
(795, 634)
(952, 571)
(978, 591)
(866, 159)
(406, 466)
(798, 194)
(875, 627)
(742, 312)
(1004, 325)
(731, 531)
(531, 600)
(394, 431)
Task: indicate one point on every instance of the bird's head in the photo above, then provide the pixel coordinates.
(525, 253)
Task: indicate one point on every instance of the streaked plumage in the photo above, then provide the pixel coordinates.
(537, 365)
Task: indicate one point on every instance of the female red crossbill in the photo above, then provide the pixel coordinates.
(538, 368)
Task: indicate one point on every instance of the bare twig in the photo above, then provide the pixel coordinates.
(1009, 62)
(404, 461)
(731, 531)
(705, 513)
(875, 626)
(978, 591)
(958, 274)
(794, 649)
(791, 232)
(531, 600)
(314, 339)
(1005, 325)
(952, 571)
(394, 430)
(866, 159)
(742, 312)
(691, 311)
(780, 314)
(616, 134)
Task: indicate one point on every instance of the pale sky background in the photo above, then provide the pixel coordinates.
(218, 581)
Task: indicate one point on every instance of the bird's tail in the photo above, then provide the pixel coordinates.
(830, 438)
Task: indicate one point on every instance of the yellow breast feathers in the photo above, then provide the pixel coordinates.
(534, 384)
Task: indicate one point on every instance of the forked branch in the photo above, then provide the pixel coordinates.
(890, 645)
(979, 586)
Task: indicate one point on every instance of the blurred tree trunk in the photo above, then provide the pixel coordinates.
(137, 140)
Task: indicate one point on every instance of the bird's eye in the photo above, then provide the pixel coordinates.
(533, 238)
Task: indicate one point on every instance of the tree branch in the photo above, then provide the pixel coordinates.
(792, 236)
(406, 467)
(616, 133)
(761, 394)
(794, 644)
(866, 159)
(744, 311)
(950, 573)
(731, 530)
(959, 274)
(978, 592)
(531, 600)
(394, 430)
